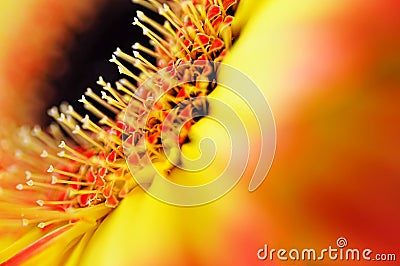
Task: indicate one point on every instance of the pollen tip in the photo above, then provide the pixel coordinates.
(29, 183)
(52, 111)
(35, 130)
(103, 95)
(135, 54)
(136, 45)
(44, 154)
(117, 51)
(28, 175)
(69, 109)
(100, 81)
(107, 87)
(120, 69)
(166, 7)
(140, 15)
(103, 120)
(62, 144)
(51, 169)
(76, 130)
(61, 154)
(135, 21)
(19, 187)
(64, 107)
(40, 202)
(18, 153)
(113, 59)
(54, 180)
(25, 222)
(61, 118)
(88, 92)
(41, 225)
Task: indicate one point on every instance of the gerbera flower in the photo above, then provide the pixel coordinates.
(64, 181)
(330, 73)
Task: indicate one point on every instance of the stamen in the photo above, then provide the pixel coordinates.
(152, 23)
(79, 132)
(94, 96)
(41, 203)
(138, 46)
(123, 70)
(51, 169)
(55, 180)
(63, 145)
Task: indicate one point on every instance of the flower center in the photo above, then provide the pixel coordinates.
(85, 167)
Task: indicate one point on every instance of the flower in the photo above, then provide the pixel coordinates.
(67, 181)
(331, 156)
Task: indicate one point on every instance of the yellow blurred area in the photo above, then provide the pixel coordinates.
(330, 71)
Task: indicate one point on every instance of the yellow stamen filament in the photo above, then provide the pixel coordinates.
(63, 145)
(51, 169)
(94, 96)
(54, 202)
(55, 180)
(123, 70)
(62, 154)
(78, 131)
(138, 46)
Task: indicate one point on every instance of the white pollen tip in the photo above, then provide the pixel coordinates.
(117, 51)
(113, 59)
(107, 87)
(40, 202)
(69, 110)
(136, 46)
(52, 111)
(136, 63)
(120, 69)
(103, 120)
(135, 21)
(44, 154)
(18, 153)
(51, 169)
(63, 107)
(25, 222)
(61, 154)
(103, 95)
(28, 175)
(29, 183)
(62, 144)
(76, 130)
(82, 99)
(41, 225)
(53, 180)
(88, 92)
(100, 80)
(61, 118)
(135, 54)
(140, 15)
(19, 187)
(36, 130)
